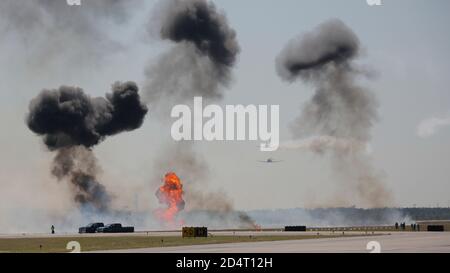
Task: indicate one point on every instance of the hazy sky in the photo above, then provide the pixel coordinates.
(405, 41)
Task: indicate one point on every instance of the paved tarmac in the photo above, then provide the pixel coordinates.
(398, 242)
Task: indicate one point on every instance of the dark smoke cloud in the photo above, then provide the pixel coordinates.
(71, 123)
(201, 61)
(68, 117)
(49, 26)
(79, 166)
(199, 23)
(340, 110)
(331, 44)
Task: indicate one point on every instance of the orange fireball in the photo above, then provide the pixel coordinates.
(171, 195)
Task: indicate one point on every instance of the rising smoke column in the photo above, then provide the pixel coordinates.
(71, 123)
(203, 54)
(341, 113)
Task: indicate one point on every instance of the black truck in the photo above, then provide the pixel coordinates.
(91, 228)
(115, 228)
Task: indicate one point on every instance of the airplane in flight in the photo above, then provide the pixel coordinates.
(270, 161)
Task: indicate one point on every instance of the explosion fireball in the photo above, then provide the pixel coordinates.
(171, 195)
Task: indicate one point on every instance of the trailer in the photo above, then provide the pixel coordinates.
(115, 228)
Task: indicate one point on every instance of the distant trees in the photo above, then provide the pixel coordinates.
(349, 216)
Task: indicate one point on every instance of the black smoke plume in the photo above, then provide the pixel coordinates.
(71, 123)
(331, 44)
(201, 60)
(339, 108)
(199, 23)
(341, 111)
(67, 117)
(79, 167)
(199, 64)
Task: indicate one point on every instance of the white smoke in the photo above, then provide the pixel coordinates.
(431, 126)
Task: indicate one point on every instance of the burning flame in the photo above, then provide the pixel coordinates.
(171, 195)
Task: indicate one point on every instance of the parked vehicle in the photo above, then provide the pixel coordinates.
(91, 228)
(115, 228)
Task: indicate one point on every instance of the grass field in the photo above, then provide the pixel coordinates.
(58, 244)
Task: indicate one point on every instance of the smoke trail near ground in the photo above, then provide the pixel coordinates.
(49, 26)
(341, 111)
(71, 123)
(200, 62)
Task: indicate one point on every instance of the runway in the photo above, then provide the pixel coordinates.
(172, 233)
(412, 242)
